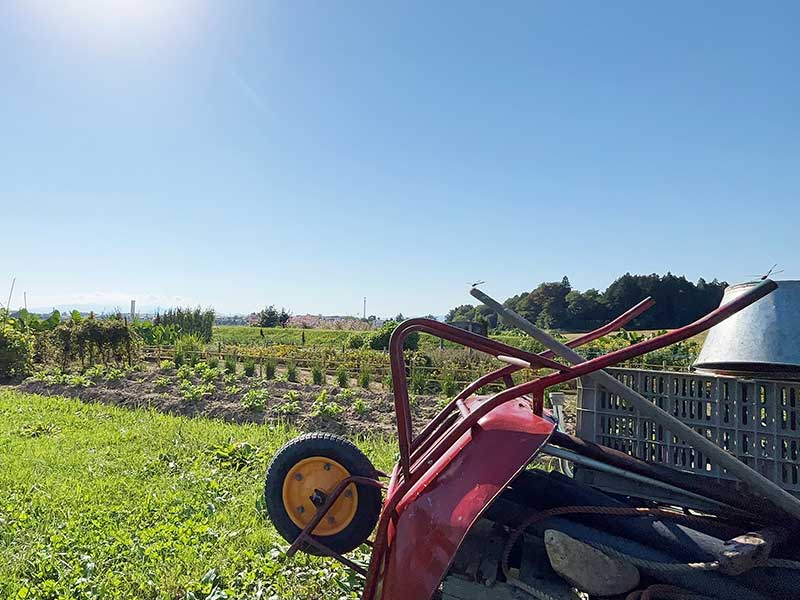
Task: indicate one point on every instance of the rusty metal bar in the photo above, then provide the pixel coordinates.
(340, 557)
(305, 536)
(621, 320)
(405, 432)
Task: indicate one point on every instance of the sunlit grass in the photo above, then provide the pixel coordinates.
(97, 501)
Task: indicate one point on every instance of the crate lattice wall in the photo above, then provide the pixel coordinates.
(755, 420)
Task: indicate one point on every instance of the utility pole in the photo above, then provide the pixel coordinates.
(25, 299)
(133, 311)
(365, 308)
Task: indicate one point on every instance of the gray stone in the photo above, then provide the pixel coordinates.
(587, 568)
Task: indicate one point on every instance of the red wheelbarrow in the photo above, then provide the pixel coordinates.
(325, 497)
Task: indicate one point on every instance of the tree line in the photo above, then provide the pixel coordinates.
(555, 305)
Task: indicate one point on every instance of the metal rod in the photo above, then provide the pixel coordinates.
(340, 557)
(755, 480)
(591, 463)
(306, 534)
(699, 484)
(621, 320)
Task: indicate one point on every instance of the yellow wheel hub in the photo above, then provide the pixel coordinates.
(305, 480)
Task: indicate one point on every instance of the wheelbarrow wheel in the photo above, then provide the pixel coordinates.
(298, 480)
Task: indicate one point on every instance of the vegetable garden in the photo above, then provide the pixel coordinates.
(168, 507)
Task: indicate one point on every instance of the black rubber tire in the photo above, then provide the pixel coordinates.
(347, 455)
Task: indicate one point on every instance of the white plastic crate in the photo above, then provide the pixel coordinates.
(755, 420)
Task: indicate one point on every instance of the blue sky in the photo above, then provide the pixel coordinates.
(308, 154)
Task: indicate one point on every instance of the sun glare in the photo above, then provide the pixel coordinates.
(116, 25)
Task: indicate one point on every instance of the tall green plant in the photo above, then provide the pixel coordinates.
(341, 376)
(317, 375)
(92, 340)
(189, 347)
(291, 371)
(16, 351)
(194, 321)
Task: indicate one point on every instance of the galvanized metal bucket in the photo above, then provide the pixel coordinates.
(763, 340)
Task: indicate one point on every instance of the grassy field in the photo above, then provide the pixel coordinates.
(238, 334)
(99, 502)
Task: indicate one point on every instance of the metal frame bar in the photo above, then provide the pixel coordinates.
(306, 537)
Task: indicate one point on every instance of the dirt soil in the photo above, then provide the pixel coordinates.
(139, 390)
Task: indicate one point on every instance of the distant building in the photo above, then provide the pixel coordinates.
(472, 326)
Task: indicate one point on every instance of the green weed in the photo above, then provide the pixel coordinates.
(360, 407)
(249, 367)
(269, 369)
(341, 376)
(291, 372)
(230, 365)
(322, 407)
(317, 375)
(255, 399)
(364, 376)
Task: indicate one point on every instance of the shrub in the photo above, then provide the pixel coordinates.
(388, 382)
(418, 381)
(255, 399)
(206, 372)
(379, 339)
(179, 358)
(355, 341)
(364, 376)
(448, 382)
(317, 375)
(291, 371)
(185, 372)
(114, 374)
(360, 407)
(322, 407)
(269, 369)
(230, 365)
(95, 372)
(196, 322)
(213, 362)
(249, 367)
(192, 393)
(90, 340)
(341, 376)
(190, 347)
(288, 408)
(157, 335)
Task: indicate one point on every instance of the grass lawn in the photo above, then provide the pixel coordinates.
(100, 502)
(240, 334)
